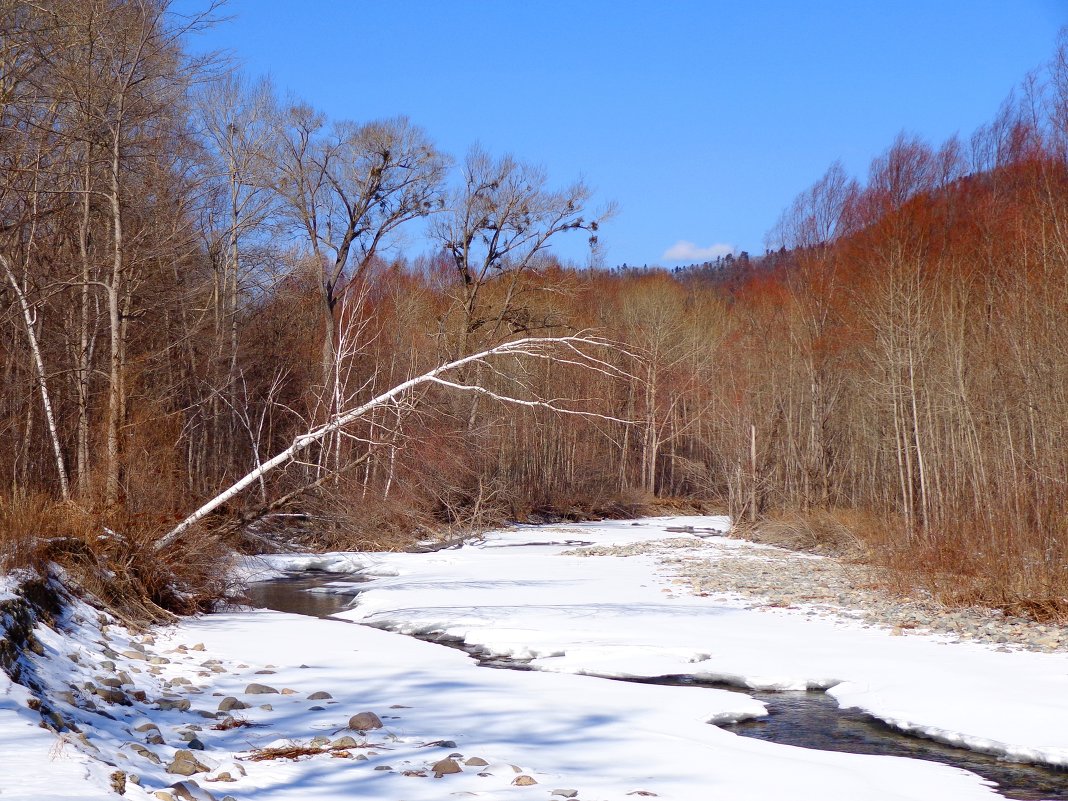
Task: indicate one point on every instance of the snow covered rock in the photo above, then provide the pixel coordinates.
(189, 790)
(186, 764)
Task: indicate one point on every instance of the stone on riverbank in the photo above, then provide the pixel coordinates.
(185, 764)
(444, 767)
(365, 721)
(230, 703)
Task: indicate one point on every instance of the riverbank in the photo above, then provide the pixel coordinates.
(761, 618)
(258, 705)
(772, 578)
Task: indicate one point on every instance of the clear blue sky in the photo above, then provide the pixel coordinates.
(701, 119)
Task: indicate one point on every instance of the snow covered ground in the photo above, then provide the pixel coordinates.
(622, 616)
(570, 614)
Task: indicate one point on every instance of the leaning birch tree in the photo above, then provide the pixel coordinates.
(581, 351)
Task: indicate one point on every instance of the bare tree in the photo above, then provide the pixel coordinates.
(235, 120)
(498, 226)
(121, 75)
(346, 188)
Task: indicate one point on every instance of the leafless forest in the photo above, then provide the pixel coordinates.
(196, 270)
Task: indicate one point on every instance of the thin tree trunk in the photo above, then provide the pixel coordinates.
(42, 382)
(116, 390)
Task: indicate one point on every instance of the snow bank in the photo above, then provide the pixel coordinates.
(264, 567)
(513, 594)
(624, 616)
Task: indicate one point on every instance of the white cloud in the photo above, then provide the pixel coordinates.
(688, 251)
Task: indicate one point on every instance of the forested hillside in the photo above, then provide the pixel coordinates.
(196, 270)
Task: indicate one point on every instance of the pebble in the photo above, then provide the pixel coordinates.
(112, 696)
(181, 704)
(780, 579)
(260, 689)
(445, 766)
(141, 751)
(185, 764)
(189, 790)
(364, 721)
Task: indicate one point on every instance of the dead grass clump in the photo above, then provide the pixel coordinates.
(837, 532)
(1005, 562)
(233, 722)
(112, 556)
(295, 751)
(1012, 564)
(188, 576)
(33, 526)
(339, 519)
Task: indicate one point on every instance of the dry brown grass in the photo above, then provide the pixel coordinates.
(295, 751)
(836, 532)
(233, 722)
(1010, 565)
(338, 518)
(112, 556)
(1013, 565)
(31, 525)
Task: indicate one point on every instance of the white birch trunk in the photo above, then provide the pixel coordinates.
(38, 364)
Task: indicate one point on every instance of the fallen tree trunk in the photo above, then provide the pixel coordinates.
(569, 349)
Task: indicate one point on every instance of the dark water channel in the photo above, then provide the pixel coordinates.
(805, 719)
(814, 720)
(295, 593)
